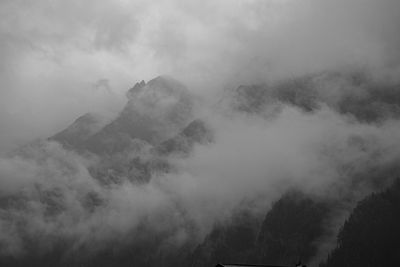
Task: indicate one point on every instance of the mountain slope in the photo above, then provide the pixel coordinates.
(75, 135)
(155, 112)
(353, 93)
(286, 235)
(197, 132)
(371, 235)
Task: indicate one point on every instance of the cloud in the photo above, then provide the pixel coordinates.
(61, 59)
(252, 159)
(53, 51)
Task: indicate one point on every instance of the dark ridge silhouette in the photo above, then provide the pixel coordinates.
(371, 235)
(285, 235)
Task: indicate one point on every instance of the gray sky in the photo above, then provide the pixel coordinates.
(60, 59)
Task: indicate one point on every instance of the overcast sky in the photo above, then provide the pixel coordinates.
(60, 59)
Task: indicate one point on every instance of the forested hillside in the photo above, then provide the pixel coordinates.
(371, 235)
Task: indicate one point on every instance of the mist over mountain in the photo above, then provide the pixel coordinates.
(191, 133)
(370, 235)
(80, 130)
(163, 183)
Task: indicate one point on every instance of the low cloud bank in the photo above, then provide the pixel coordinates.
(48, 193)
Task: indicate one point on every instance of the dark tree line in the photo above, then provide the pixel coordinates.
(371, 235)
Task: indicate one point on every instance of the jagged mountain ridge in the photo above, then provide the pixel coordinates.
(353, 93)
(155, 111)
(133, 153)
(159, 110)
(157, 121)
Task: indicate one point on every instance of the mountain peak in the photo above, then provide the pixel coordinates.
(165, 81)
(161, 85)
(135, 88)
(156, 111)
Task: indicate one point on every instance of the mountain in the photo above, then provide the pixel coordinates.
(228, 242)
(286, 234)
(75, 135)
(197, 132)
(257, 98)
(371, 235)
(142, 160)
(353, 93)
(97, 170)
(156, 121)
(155, 112)
(291, 228)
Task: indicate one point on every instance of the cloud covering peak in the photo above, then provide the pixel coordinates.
(55, 52)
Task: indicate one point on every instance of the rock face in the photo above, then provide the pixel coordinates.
(155, 112)
(157, 121)
(75, 135)
(197, 132)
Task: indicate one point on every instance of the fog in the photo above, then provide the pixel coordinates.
(54, 53)
(252, 160)
(61, 59)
